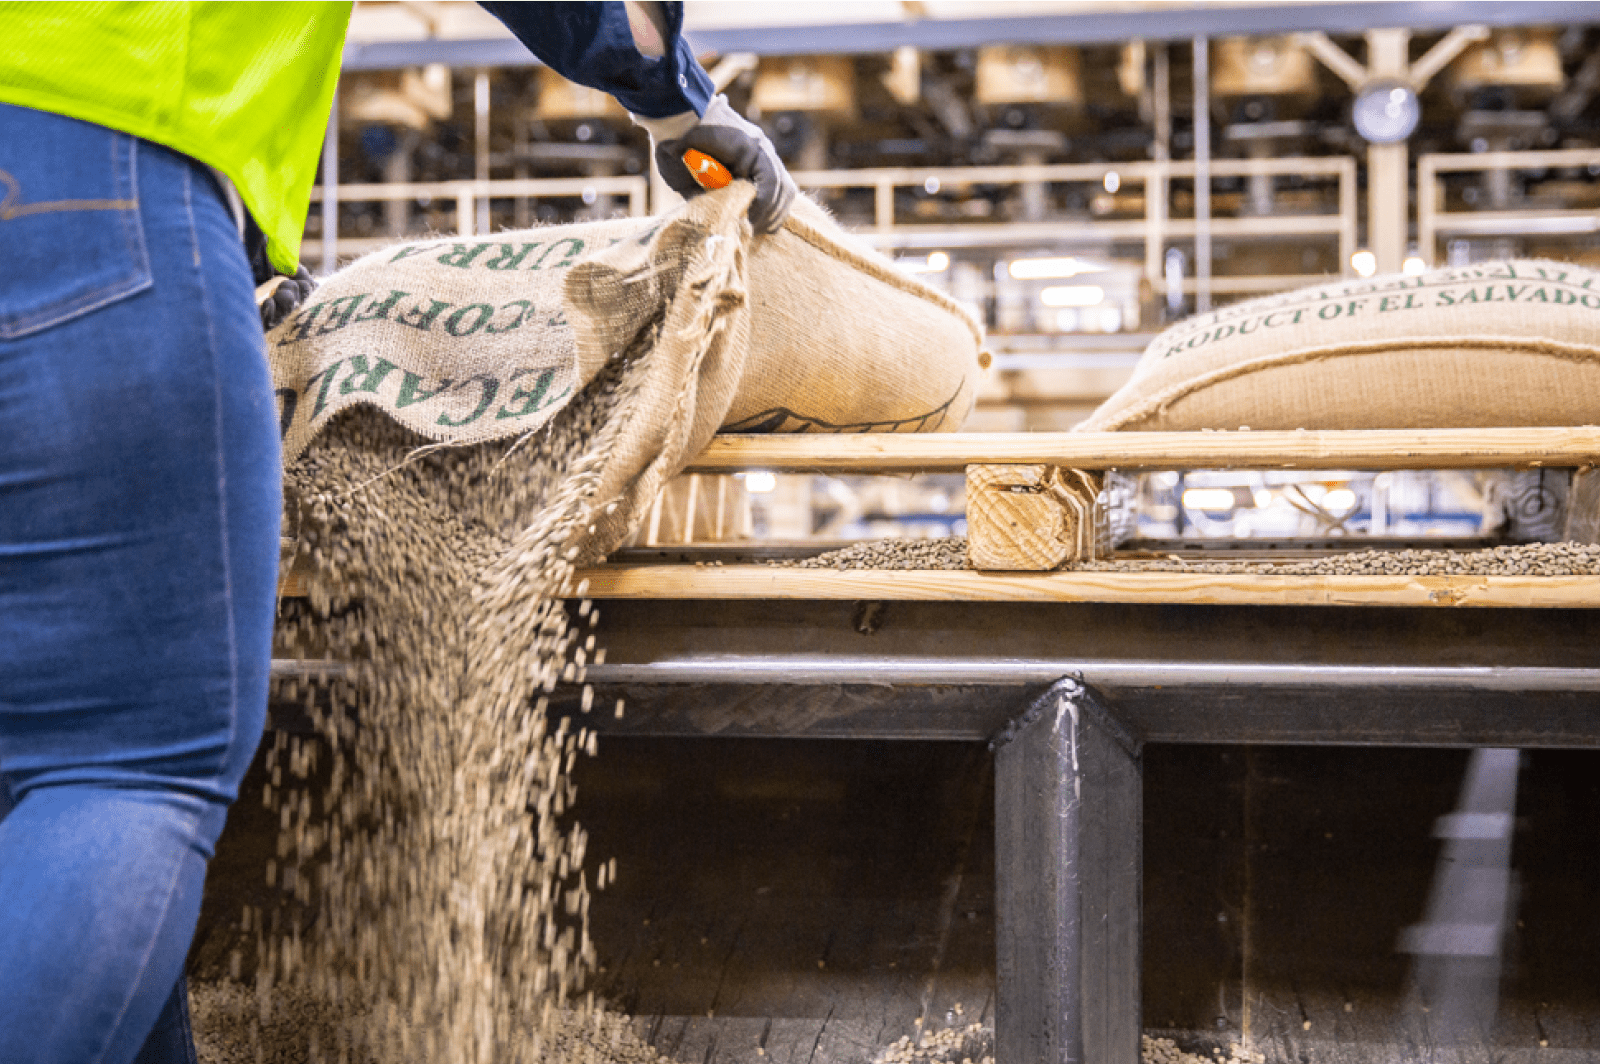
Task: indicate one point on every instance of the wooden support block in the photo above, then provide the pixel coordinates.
(1013, 521)
(1033, 517)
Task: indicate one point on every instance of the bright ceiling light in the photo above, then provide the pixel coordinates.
(1073, 295)
(1211, 500)
(1365, 263)
(1113, 181)
(937, 262)
(1050, 269)
(1386, 111)
(1414, 265)
(759, 482)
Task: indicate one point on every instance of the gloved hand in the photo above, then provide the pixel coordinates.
(735, 143)
(289, 294)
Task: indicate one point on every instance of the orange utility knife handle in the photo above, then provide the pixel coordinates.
(706, 171)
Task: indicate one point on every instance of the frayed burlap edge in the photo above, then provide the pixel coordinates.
(708, 322)
(703, 330)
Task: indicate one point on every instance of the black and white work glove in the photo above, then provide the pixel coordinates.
(289, 294)
(737, 144)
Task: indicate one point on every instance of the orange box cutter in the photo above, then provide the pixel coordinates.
(707, 172)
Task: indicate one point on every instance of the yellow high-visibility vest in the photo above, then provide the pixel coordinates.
(242, 87)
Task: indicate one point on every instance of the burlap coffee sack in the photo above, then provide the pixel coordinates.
(842, 341)
(1499, 344)
(460, 340)
(470, 340)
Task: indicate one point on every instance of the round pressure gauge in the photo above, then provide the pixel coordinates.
(1386, 111)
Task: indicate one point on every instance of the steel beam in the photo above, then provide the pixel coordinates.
(1068, 816)
(1217, 674)
(1178, 702)
(479, 52)
(1115, 675)
(1157, 194)
(1094, 25)
(1100, 25)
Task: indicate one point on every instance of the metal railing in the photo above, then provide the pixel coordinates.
(1434, 222)
(468, 194)
(1156, 228)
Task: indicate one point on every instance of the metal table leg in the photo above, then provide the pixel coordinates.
(1068, 812)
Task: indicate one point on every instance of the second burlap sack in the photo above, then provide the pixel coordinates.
(1499, 344)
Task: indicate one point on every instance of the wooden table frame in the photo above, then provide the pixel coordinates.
(1068, 734)
(1069, 674)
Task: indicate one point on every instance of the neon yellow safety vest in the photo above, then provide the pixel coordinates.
(242, 87)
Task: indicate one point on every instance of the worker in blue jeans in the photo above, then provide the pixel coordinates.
(139, 456)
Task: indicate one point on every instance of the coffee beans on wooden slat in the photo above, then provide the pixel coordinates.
(1529, 559)
(945, 553)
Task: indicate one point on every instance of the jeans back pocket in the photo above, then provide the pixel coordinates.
(71, 240)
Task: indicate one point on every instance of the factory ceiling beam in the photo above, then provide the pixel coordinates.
(1089, 26)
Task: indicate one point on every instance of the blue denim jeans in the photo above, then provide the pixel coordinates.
(139, 508)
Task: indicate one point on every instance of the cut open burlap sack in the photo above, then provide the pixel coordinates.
(468, 341)
(467, 425)
(1498, 344)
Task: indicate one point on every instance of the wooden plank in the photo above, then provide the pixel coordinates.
(1348, 449)
(757, 581)
(770, 582)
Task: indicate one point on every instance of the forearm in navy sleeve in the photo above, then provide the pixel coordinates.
(590, 43)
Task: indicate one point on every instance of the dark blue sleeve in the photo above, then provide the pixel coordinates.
(590, 43)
